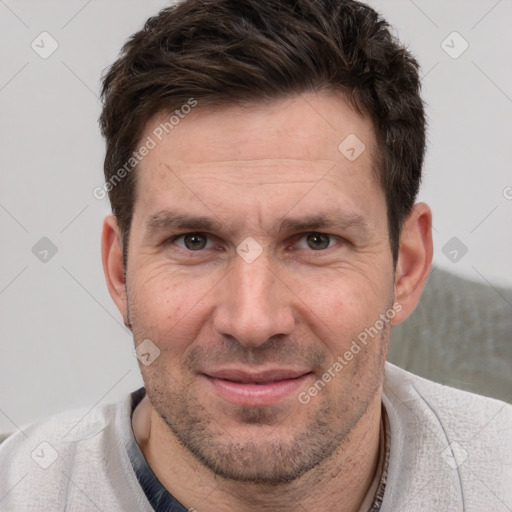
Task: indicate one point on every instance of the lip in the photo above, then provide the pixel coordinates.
(251, 388)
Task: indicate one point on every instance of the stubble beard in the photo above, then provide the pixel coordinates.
(272, 459)
(270, 455)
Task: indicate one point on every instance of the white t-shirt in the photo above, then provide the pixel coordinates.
(449, 450)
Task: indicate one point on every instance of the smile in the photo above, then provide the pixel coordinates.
(256, 389)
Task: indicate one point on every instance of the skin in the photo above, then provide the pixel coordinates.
(298, 305)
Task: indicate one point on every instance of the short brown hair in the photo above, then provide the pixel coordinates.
(224, 52)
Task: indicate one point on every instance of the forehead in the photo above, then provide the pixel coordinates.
(260, 154)
(308, 126)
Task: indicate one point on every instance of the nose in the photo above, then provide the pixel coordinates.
(254, 303)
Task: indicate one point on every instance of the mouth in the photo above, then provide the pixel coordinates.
(261, 389)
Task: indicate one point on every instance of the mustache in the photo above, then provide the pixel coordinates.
(283, 350)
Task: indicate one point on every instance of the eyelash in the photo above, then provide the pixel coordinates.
(173, 239)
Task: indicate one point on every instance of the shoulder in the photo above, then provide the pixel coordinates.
(448, 447)
(452, 407)
(42, 443)
(49, 463)
(65, 425)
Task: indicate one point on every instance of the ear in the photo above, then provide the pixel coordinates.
(414, 260)
(112, 258)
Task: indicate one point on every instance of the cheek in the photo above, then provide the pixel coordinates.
(346, 310)
(158, 302)
(347, 300)
(170, 307)
(168, 294)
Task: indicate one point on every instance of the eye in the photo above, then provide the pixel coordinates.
(193, 241)
(316, 241)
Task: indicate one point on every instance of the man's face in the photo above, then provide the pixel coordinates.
(258, 253)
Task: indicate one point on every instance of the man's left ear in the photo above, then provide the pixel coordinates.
(414, 260)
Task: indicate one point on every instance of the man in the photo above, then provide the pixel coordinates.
(263, 160)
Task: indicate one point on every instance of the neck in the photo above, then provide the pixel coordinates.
(339, 483)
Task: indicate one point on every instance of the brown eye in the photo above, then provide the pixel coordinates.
(195, 241)
(318, 241)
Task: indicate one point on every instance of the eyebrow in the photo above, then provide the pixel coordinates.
(320, 221)
(169, 220)
(173, 220)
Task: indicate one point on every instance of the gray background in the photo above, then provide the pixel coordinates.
(63, 343)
